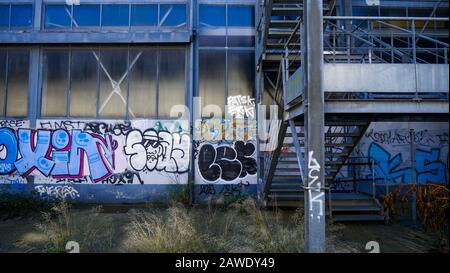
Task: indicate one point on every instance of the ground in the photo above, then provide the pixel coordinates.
(240, 227)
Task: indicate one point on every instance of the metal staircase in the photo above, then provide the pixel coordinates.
(284, 186)
(286, 189)
(282, 52)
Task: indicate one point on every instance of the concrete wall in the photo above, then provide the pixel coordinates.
(95, 161)
(116, 161)
(391, 145)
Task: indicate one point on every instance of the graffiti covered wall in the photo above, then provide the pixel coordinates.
(224, 166)
(393, 145)
(61, 154)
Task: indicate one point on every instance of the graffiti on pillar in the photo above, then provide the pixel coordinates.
(315, 193)
(95, 152)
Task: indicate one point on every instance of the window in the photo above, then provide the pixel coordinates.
(226, 54)
(144, 15)
(54, 89)
(171, 79)
(241, 16)
(4, 16)
(113, 82)
(172, 15)
(115, 15)
(142, 85)
(95, 16)
(16, 16)
(83, 83)
(212, 81)
(86, 15)
(14, 82)
(240, 72)
(113, 78)
(2, 82)
(212, 15)
(57, 16)
(226, 25)
(21, 15)
(212, 24)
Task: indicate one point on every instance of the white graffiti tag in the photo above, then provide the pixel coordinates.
(314, 185)
(59, 192)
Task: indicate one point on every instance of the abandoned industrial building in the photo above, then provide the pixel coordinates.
(323, 104)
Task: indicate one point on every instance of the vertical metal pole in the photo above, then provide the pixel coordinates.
(413, 26)
(413, 175)
(373, 178)
(314, 121)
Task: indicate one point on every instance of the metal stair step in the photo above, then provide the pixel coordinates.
(285, 190)
(291, 204)
(350, 196)
(284, 184)
(341, 208)
(357, 217)
(285, 196)
(294, 162)
(291, 177)
(328, 134)
(287, 11)
(326, 144)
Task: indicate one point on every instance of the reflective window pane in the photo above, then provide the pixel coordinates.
(86, 15)
(83, 83)
(241, 16)
(144, 15)
(4, 16)
(2, 81)
(21, 15)
(113, 88)
(172, 79)
(212, 24)
(212, 77)
(17, 87)
(240, 72)
(54, 86)
(241, 41)
(57, 16)
(212, 15)
(115, 15)
(142, 84)
(172, 15)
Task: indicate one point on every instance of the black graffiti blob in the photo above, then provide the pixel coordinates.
(221, 163)
(225, 162)
(244, 153)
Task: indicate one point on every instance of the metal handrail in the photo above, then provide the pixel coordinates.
(387, 18)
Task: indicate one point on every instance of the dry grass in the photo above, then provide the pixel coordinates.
(93, 232)
(240, 227)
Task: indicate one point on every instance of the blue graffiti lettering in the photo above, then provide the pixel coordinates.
(8, 151)
(429, 168)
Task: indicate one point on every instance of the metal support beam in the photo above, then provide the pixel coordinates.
(314, 125)
(298, 149)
